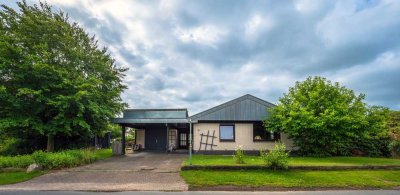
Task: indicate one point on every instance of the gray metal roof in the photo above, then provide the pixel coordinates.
(245, 108)
(147, 121)
(141, 116)
(155, 113)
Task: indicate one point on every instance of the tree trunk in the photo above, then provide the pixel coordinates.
(50, 143)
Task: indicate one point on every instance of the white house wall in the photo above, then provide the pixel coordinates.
(243, 138)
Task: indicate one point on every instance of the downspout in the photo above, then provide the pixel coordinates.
(167, 146)
(190, 142)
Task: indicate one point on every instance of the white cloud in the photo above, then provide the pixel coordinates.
(198, 54)
(258, 24)
(347, 25)
(206, 34)
(307, 6)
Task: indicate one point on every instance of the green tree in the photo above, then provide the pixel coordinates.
(324, 118)
(54, 77)
(394, 132)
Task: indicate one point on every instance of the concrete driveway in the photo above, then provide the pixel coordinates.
(142, 171)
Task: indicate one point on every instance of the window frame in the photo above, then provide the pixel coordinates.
(234, 134)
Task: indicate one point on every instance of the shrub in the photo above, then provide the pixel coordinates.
(394, 146)
(239, 155)
(40, 157)
(22, 161)
(277, 158)
(373, 146)
(56, 160)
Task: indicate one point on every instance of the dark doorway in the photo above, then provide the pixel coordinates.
(156, 138)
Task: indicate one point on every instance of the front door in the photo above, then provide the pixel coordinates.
(183, 140)
(156, 138)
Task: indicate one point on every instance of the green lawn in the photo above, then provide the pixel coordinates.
(16, 177)
(208, 160)
(103, 154)
(294, 178)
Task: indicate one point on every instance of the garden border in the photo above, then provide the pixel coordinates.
(260, 167)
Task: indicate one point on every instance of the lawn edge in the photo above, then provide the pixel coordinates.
(261, 167)
(272, 188)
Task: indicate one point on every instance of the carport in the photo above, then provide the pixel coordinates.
(156, 129)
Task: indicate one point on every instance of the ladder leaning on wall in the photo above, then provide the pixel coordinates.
(207, 143)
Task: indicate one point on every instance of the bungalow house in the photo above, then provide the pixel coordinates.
(217, 130)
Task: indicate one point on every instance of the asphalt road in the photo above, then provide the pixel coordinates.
(337, 192)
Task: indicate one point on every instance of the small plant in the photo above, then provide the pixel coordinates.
(278, 158)
(239, 155)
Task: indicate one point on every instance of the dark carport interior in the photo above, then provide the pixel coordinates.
(157, 129)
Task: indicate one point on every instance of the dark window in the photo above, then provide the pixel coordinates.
(227, 132)
(260, 134)
(183, 140)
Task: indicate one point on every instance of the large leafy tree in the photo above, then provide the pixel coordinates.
(324, 118)
(54, 78)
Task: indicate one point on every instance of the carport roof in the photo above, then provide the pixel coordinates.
(143, 116)
(147, 121)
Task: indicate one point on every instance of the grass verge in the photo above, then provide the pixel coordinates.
(298, 179)
(209, 160)
(16, 177)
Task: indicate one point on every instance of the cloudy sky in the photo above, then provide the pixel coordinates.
(198, 54)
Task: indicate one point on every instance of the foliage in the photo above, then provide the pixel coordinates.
(395, 146)
(56, 160)
(278, 158)
(115, 131)
(23, 144)
(371, 146)
(54, 78)
(394, 131)
(8, 146)
(20, 161)
(239, 155)
(130, 136)
(325, 119)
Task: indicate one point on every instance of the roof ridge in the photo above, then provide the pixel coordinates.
(225, 104)
(154, 109)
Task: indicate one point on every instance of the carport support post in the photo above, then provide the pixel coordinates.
(190, 142)
(123, 140)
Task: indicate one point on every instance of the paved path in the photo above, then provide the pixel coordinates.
(142, 171)
(338, 192)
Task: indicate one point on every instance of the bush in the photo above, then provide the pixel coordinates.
(63, 159)
(278, 158)
(239, 155)
(57, 160)
(373, 146)
(21, 161)
(394, 146)
(40, 157)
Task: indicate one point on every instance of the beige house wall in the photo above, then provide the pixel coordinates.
(243, 138)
